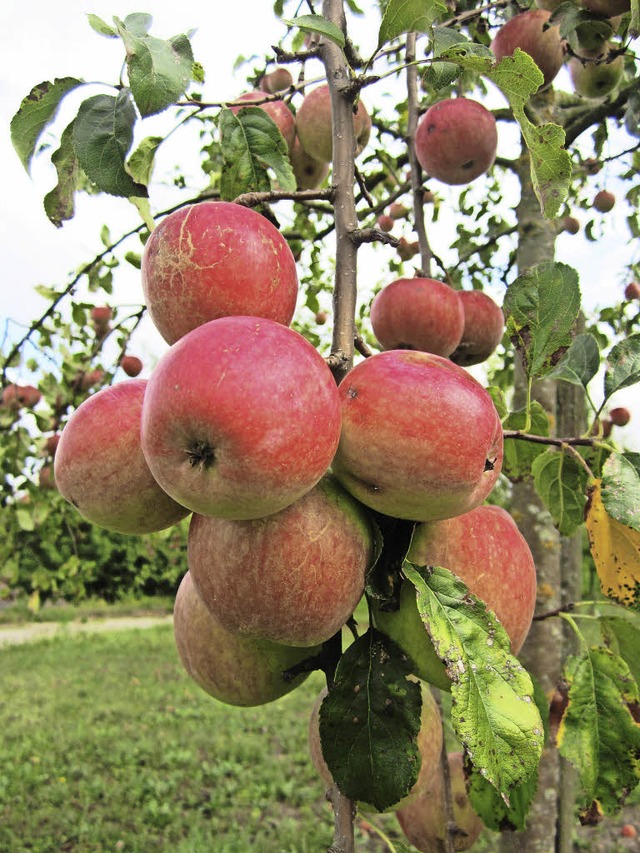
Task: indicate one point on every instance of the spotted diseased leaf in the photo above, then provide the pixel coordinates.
(369, 723)
(622, 367)
(615, 549)
(541, 307)
(621, 488)
(580, 363)
(408, 16)
(37, 110)
(320, 25)
(622, 635)
(598, 732)
(493, 712)
(59, 202)
(561, 482)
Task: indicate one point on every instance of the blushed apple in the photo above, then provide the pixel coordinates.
(278, 80)
(131, 365)
(632, 290)
(620, 416)
(235, 670)
(241, 418)
(309, 173)
(216, 259)
(314, 124)
(100, 469)
(20, 396)
(483, 328)
(529, 31)
(456, 140)
(419, 314)
(604, 201)
(570, 224)
(294, 577)
(421, 438)
(275, 109)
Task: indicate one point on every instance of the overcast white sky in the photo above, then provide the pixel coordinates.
(41, 40)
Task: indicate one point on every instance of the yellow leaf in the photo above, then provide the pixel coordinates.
(34, 601)
(616, 551)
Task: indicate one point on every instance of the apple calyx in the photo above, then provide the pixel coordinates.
(201, 454)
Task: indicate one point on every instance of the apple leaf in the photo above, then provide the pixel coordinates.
(101, 27)
(37, 110)
(518, 78)
(615, 549)
(493, 712)
(408, 16)
(318, 24)
(499, 401)
(622, 636)
(251, 142)
(140, 163)
(622, 367)
(561, 480)
(541, 307)
(621, 488)
(59, 202)
(598, 733)
(518, 454)
(369, 723)
(580, 363)
(579, 26)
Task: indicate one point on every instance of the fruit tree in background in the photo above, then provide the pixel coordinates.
(443, 442)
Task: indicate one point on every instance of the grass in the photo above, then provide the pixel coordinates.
(18, 612)
(108, 745)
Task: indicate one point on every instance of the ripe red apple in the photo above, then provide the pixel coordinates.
(596, 76)
(294, 577)
(241, 418)
(601, 427)
(309, 173)
(628, 830)
(51, 444)
(604, 201)
(456, 140)
(632, 290)
(406, 249)
(424, 820)
(385, 222)
(526, 30)
(486, 550)
(100, 469)
(429, 742)
(570, 224)
(20, 396)
(233, 669)
(277, 110)
(215, 259)
(620, 416)
(421, 438)
(483, 328)
(313, 124)
(101, 315)
(131, 365)
(419, 314)
(278, 80)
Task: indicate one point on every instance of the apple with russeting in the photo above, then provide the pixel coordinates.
(309, 173)
(314, 124)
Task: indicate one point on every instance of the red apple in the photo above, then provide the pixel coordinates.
(321, 317)
(131, 365)
(421, 438)
(277, 110)
(385, 222)
(294, 577)
(87, 379)
(604, 201)
(215, 259)
(601, 428)
(100, 316)
(241, 418)
(527, 31)
(398, 211)
(570, 224)
(46, 480)
(51, 444)
(591, 166)
(632, 290)
(278, 80)
(456, 140)
(628, 830)
(407, 250)
(620, 416)
(313, 124)
(424, 821)
(233, 669)
(100, 468)
(483, 328)
(309, 173)
(418, 313)
(20, 396)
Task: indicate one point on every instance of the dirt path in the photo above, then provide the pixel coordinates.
(16, 634)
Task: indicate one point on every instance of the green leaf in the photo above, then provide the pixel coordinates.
(318, 24)
(541, 307)
(499, 401)
(38, 109)
(25, 519)
(470, 56)
(519, 78)
(102, 137)
(369, 723)
(622, 366)
(622, 635)
(140, 163)
(598, 733)
(59, 202)
(251, 142)
(580, 363)
(159, 71)
(138, 23)
(101, 27)
(519, 455)
(493, 713)
(561, 482)
(621, 488)
(439, 75)
(408, 16)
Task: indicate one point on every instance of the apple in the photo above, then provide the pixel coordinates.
(100, 469)
(601, 428)
(456, 140)
(418, 314)
(20, 396)
(591, 166)
(87, 379)
(487, 551)
(46, 479)
(628, 830)
(276, 110)
(314, 124)
(233, 669)
(385, 222)
(51, 444)
(421, 439)
(604, 201)
(527, 31)
(620, 416)
(309, 173)
(606, 8)
(215, 259)
(632, 290)
(398, 211)
(483, 328)
(101, 315)
(429, 742)
(294, 577)
(424, 821)
(278, 80)
(570, 224)
(321, 317)
(407, 250)
(597, 76)
(131, 365)
(241, 418)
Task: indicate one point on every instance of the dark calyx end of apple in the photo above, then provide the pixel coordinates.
(201, 454)
(489, 464)
(468, 165)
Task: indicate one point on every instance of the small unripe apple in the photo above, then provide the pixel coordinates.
(570, 224)
(601, 427)
(314, 124)
(527, 31)
(603, 201)
(596, 77)
(591, 166)
(20, 396)
(276, 110)
(309, 173)
(620, 416)
(385, 222)
(456, 140)
(131, 365)
(483, 328)
(632, 290)
(278, 80)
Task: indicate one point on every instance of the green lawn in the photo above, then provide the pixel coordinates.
(107, 745)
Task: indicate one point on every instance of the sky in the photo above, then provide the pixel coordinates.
(55, 40)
